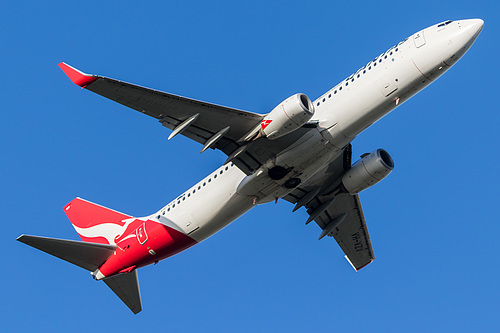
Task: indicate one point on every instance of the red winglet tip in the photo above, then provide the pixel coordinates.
(79, 78)
(357, 270)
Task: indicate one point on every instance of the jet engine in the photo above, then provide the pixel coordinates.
(289, 115)
(368, 171)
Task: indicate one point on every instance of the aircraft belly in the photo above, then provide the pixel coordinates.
(212, 219)
(301, 161)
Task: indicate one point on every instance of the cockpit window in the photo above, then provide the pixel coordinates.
(444, 23)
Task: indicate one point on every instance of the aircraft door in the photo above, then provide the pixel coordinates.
(419, 39)
(142, 236)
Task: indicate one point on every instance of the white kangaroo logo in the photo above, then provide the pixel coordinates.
(110, 231)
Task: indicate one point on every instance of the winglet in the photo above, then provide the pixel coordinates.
(358, 268)
(78, 77)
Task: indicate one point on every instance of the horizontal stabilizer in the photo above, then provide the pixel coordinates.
(126, 286)
(86, 255)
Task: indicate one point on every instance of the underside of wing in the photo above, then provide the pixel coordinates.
(214, 126)
(337, 213)
(351, 234)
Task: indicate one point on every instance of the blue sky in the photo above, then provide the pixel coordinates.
(433, 222)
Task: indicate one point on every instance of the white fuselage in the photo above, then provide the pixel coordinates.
(342, 113)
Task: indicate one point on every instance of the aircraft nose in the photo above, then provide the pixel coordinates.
(473, 27)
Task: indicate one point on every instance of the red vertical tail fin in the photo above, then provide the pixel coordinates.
(95, 223)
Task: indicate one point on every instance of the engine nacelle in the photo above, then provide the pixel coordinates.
(289, 115)
(368, 171)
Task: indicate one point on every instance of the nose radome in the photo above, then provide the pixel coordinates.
(473, 27)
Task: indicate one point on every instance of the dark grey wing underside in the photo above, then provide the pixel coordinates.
(338, 214)
(352, 233)
(172, 111)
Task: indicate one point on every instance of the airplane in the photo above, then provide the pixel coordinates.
(299, 152)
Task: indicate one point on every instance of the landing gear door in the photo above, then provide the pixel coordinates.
(388, 84)
(419, 39)
(188, 227)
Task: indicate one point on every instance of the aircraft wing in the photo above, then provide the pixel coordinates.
(214, 126)
(338, 214)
